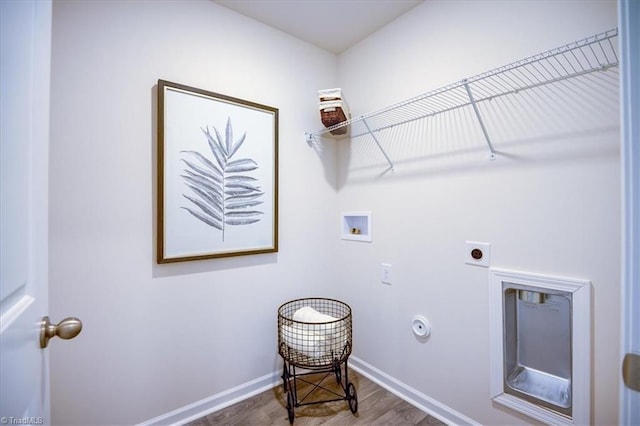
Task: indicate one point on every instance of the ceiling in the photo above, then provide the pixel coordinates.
(333, 25)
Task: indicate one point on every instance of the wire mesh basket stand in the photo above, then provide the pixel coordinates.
(314, 339)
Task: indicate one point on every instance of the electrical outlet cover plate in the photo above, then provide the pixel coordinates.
(385, 273)
(477, 254)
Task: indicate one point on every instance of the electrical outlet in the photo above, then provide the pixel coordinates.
(385, 273)
(478, 254)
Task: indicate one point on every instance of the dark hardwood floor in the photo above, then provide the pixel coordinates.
(376, 406)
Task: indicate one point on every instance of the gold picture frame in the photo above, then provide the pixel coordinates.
(217, 175)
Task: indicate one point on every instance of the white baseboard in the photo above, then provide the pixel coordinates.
(412, 396)
(244, 391)
(216, 402)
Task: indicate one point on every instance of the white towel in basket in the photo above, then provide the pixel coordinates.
(315, 334)
(317, 322)
(304, 341)
(308, 314)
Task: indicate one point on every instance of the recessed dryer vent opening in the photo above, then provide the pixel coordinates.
(540, 333)
(537, 346)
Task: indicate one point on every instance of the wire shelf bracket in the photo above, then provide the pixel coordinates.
(492, 155)
(375, 139)
(591, 54)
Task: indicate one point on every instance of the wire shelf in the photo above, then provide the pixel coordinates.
(594, 53)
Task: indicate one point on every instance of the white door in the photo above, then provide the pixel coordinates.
(25, 45)
(629, 14)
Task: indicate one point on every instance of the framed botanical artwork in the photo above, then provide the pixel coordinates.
(217, 175)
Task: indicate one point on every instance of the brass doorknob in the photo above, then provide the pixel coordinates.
(68, 328)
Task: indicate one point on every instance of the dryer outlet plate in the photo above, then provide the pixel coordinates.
(477, 253)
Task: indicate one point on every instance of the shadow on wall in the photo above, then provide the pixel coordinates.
(329, 151)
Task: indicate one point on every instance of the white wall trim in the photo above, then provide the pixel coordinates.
(216, 402)
(412, 396)
(247, 390)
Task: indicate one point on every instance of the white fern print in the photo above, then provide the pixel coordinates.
(222, 193)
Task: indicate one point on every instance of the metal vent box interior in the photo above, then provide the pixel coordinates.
(537, 346)
(540, 346)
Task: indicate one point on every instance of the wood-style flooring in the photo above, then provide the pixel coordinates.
(376, 406)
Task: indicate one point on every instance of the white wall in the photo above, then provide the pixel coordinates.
(549, 204)
(159, 337)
